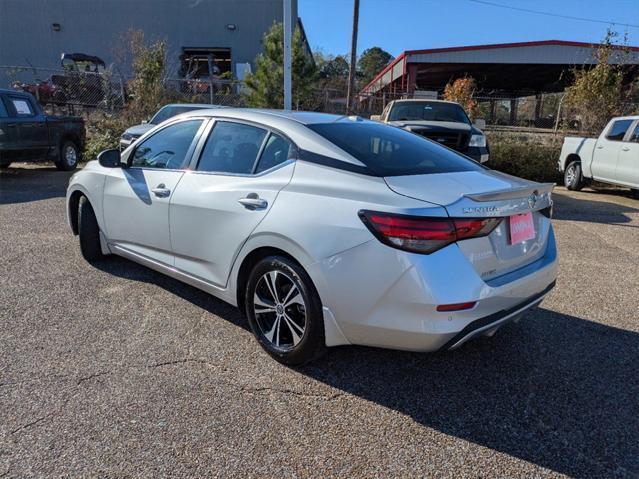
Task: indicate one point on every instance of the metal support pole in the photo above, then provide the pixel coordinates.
(288, 96)
(350, 93)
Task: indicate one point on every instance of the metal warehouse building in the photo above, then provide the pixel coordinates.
(514, 69)
(34, 33)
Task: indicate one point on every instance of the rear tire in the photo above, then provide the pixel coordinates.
(285, 311)
(573, 178)
(89, 232)
(634, 192)
(69, 156)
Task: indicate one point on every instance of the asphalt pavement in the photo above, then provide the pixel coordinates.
(118, 371)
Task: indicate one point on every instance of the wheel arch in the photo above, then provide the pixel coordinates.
(571, 158)
(250, 259)
(72, 210)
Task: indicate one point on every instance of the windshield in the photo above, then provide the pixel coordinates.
(429, 111)
(390, 151)
(169, 111)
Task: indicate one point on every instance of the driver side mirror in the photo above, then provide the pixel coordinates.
(110, 159)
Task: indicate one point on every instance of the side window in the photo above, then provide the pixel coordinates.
(634, 137)
(276, 151)
(3, 109)
(231, 148)
(168, 147)
(22, 107)
(618, 130)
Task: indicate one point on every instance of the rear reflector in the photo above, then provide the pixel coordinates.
(456, 306)
(425, 235)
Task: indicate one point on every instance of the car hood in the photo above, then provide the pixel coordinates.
(433, 125)
(447, 188)
(139, 130)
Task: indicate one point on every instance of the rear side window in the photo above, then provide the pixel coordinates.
(618, 130)
(232, 148)
(276, 151)
(22, 107)
(391, 151)
(168, 147)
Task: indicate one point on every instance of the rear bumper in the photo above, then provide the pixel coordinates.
(387, 298)
(495, 320)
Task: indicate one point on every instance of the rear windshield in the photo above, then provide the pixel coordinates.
(433, 111)
(390, 151)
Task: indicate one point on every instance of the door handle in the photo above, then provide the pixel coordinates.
(625, 148)
(599, 147)
(253, 202)
(161, 191)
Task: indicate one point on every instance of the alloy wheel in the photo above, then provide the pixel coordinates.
(571, 175)
(280, 310)
(70, 155)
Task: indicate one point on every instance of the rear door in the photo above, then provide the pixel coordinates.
(31, 127)
(606, 154)
(136, 199)
(240, 171)
(628, 163)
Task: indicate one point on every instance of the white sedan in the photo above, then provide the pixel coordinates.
(324, 230)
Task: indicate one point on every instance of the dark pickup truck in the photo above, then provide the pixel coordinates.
(27, 134)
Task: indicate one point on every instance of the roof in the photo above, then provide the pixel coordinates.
(262, 114)
(398, 66)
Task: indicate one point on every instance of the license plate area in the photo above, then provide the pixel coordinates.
(521, 228)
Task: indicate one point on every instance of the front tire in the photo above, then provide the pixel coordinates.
(89, 232)
(573, 178)
(69, 156)
(4, 166)
(285, 311)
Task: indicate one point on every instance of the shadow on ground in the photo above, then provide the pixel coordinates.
(593, 210)
(552, 390)
(22, 185)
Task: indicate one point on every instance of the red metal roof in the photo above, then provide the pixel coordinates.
(492, 46)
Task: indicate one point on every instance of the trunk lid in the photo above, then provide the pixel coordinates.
(486, 194)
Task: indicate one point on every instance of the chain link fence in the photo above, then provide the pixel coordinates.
(77, 91)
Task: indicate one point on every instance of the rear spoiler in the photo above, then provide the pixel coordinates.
(513, 193)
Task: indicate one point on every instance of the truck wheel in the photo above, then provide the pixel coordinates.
(634, 192)
(69, 156)
(89, 232)
(573, 179)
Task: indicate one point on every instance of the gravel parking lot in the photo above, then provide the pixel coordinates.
(117, 371)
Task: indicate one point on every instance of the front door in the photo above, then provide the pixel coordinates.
(136, 199)
(606, 153)
(215, 208)
(628, 162)
(30, 125)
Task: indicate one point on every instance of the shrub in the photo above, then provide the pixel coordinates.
(462, 91)
(526, 156)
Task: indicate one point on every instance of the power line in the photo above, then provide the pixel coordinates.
(549, 14)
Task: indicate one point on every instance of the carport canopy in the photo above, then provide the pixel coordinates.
(516, 69)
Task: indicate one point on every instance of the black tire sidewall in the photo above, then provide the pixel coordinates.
(313, 343)
(88, 231)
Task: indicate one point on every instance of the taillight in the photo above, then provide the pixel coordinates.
(425, 235)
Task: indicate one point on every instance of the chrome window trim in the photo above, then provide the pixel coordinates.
(195, 158)
(189, 153)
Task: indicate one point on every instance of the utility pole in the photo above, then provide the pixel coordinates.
(288, 96)
(350, 94)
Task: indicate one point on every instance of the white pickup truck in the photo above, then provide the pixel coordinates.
(611, 158)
